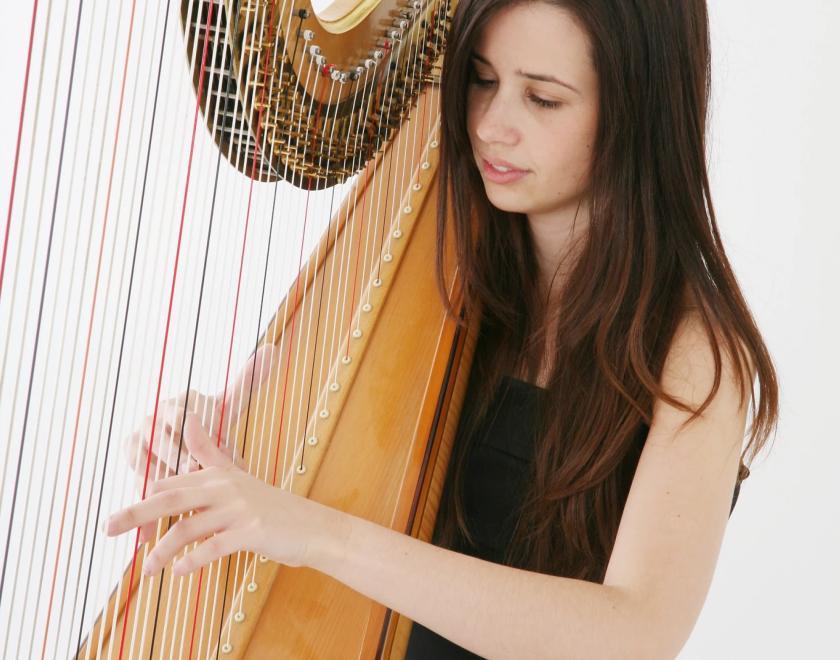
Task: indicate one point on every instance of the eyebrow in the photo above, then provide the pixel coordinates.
(542, 77)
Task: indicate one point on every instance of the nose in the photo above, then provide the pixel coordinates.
(495, 121)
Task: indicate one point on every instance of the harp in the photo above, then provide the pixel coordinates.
(166, 217)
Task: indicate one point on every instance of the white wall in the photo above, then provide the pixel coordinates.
(775, 174)
(775, 167)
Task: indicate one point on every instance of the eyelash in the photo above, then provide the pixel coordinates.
(543, 103)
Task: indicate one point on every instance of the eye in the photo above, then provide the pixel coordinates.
(480, 82)
(543, 103)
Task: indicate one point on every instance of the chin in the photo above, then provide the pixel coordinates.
(507, 203)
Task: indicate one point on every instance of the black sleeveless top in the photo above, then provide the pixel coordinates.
(494, 485)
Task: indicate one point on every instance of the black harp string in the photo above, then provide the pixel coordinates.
(141, 594)
(227, 559)
(124, 331)
(26, 183)
(205, 260)
(41, 302)
(217, 35)
(109, 192)
(390, 186)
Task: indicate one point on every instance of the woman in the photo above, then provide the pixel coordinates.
(598, 456)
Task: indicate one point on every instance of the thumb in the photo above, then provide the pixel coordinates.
(202, 446)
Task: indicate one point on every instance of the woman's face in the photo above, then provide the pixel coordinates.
(532, 104)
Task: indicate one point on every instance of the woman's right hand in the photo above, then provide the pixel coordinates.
(169, 455)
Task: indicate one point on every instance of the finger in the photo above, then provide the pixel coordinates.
(199, 479)
(218, 545)
(167, 503)
(181, 534)
(258, 368)
(172, 414)
(204, 405)
(170, 447)
(164, 457)
(202, 446)
(167, 438)
(138, 446)
(136, 449)
(186, 399)
(147, 531)
(156, 469)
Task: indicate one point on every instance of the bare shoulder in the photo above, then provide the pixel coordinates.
(679, 501)
(697, 351)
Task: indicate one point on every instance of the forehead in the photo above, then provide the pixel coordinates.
(538, 37)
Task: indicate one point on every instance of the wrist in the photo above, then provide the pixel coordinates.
(329, 542)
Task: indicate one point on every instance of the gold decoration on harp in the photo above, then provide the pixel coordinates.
(268, 111)
(318, 95)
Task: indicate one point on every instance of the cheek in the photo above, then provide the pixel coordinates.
(572, 156)
(472, 115)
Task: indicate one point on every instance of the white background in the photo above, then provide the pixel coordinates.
(775, 168)
(775, 149)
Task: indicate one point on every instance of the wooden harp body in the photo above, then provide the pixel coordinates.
(362, 410)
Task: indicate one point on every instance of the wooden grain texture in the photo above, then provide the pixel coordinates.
(372, 457)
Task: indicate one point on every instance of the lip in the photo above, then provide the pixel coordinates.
(500, 177)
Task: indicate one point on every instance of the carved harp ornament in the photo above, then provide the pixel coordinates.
(157, 234)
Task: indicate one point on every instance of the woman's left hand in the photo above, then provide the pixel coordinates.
(234, 509)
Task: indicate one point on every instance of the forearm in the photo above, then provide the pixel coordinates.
(493, 610)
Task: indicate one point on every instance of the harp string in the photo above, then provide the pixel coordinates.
(26, 500)
(91, 324)
(158, 475)
(254, 162)
(113, 555)
(29, 287)
(13, 508)
(259, 324)
(237, 575)
(250, 465)
(17, 142)
(312, 374)
(135, 252)
(169, 311)
(169, 601)
(25, 207)
(180, 582)
(304, 416)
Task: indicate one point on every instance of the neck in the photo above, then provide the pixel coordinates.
(557, 238)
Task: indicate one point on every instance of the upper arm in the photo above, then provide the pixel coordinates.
(679, 501)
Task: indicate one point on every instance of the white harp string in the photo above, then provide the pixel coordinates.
(105, 146)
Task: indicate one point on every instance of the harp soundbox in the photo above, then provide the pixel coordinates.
(167, 217)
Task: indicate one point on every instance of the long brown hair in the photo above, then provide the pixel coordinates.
(652, 251)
